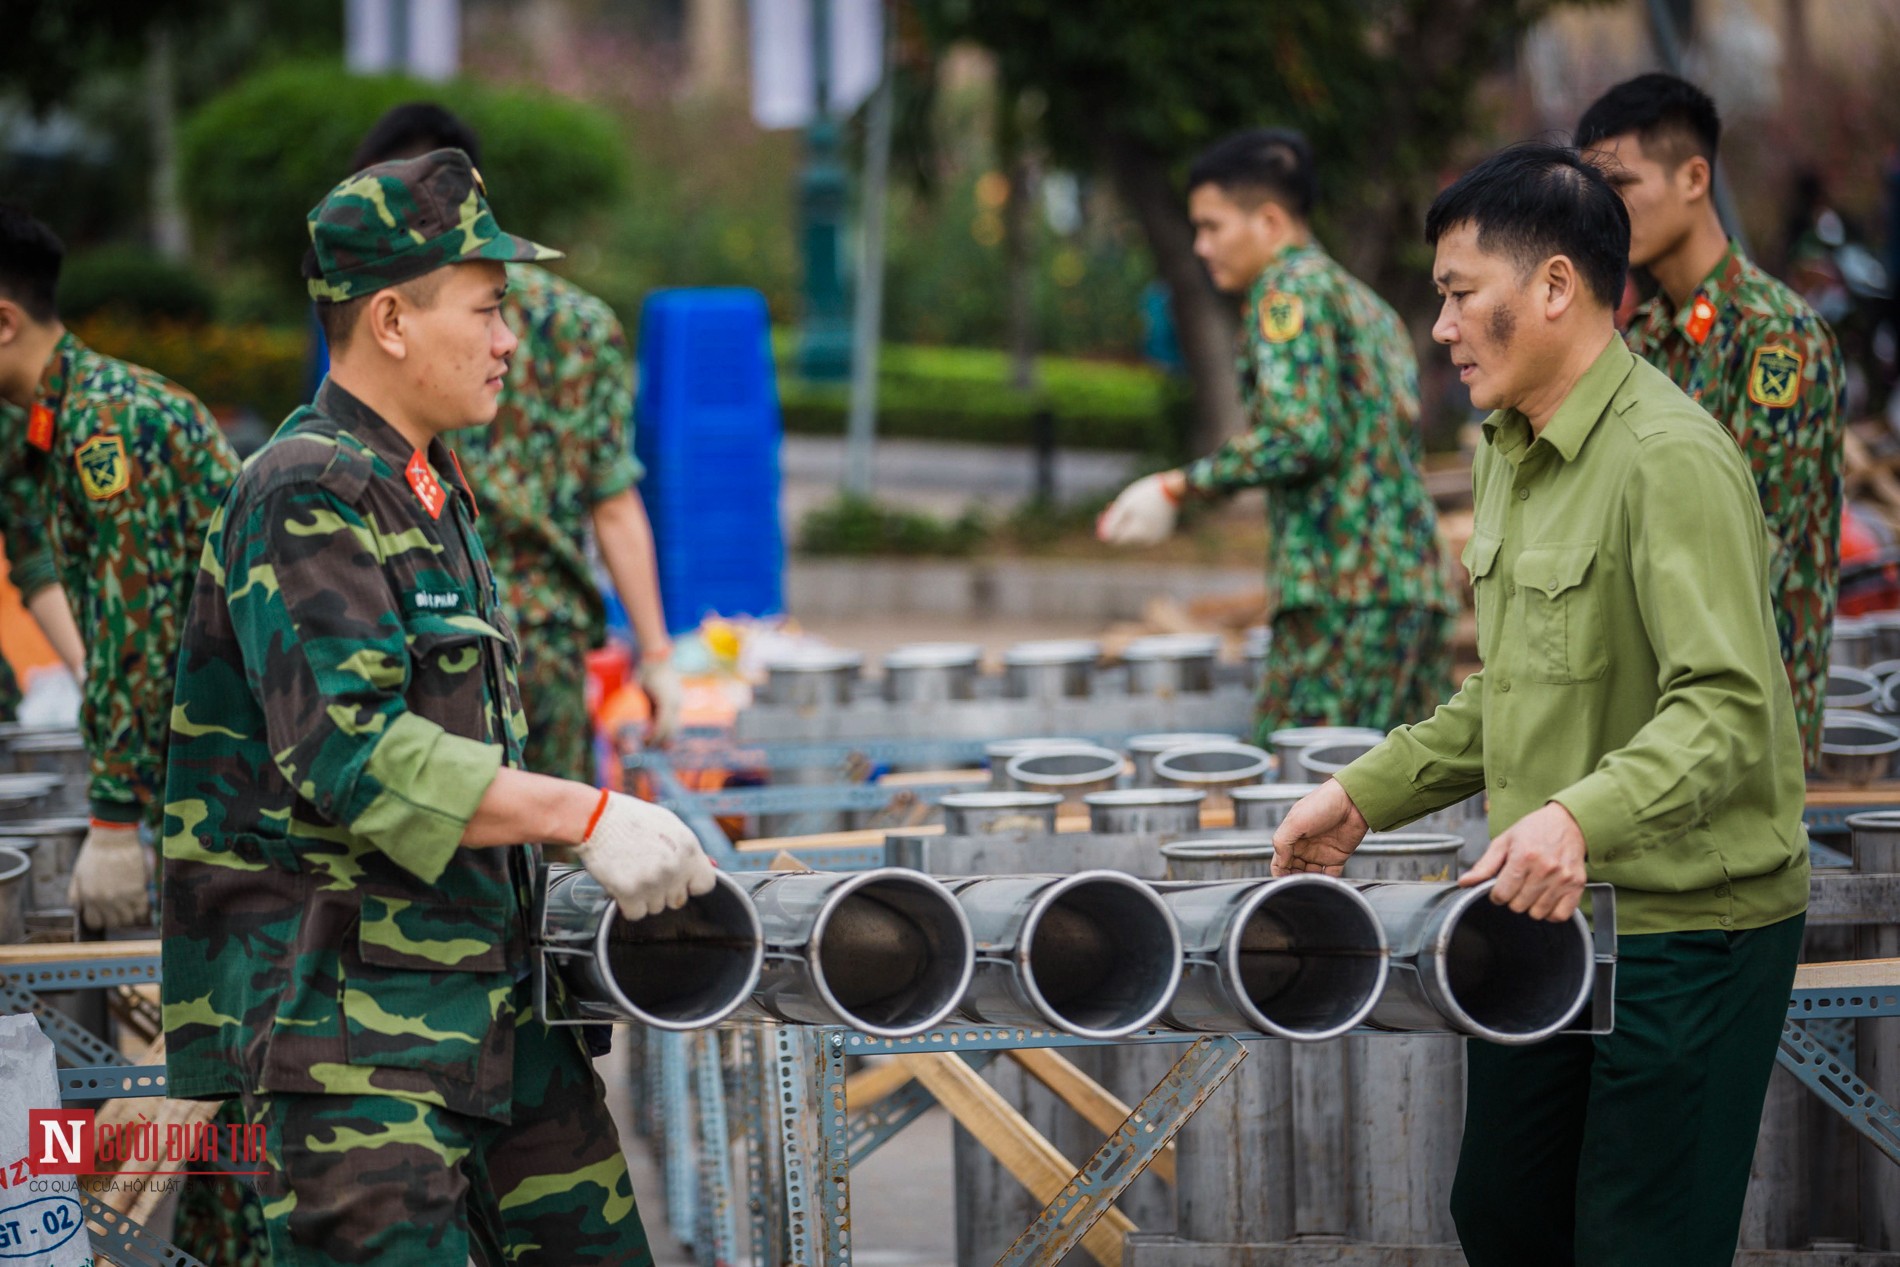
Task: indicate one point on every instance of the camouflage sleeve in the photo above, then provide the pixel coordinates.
(30, 565)
(1292, 360)
(609, 419)
(325, 654)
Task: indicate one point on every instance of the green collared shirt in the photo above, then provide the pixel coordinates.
(1631, 670)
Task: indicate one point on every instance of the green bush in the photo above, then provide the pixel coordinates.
(133, 281)
(853, 525)
(229, 368)
(964, 394)
(257, 157)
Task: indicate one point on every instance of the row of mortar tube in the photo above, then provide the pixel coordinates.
(1098, 954)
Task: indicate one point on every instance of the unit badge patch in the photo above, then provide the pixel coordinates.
(103, 469)
(1774, 378)
(1282, 316)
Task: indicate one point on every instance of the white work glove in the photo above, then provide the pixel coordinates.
(645, 857)
(1143, 515)
(108, 887)
(661, 681)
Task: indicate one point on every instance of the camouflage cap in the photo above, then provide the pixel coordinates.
(398, 220)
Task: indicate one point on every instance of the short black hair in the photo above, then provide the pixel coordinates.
(1672, 118)
(30, 256)
(1273, 162)
(1535, 200)
(416, 127)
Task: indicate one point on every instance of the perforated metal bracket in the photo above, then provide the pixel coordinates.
(88, 1084)
(1840, 1089)
(718, 1234)
(1149, 1128)
(74, 1043)
(813, 1129)
(127, 1242)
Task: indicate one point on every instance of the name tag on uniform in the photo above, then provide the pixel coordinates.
(436, 600)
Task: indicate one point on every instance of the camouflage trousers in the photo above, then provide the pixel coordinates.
(387, 1179)
(553, 678)
(221, 1220)
(1354, 666)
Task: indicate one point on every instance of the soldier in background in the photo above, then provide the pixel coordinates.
(348, 883)
(1361, 616)
(123, 469)
(556, 462)
(1746, 347)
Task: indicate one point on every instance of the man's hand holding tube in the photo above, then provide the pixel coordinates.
(644, 856)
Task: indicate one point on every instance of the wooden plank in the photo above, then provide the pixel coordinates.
(1096, 1104)
(1839, 795)
(978, 779)
(829, 839)
(60, 951)
(874, 1082)
(1848, 975)
(1023, 1152)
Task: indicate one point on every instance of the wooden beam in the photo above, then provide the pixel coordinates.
(1033, 1160)
(60, 951)
(1097, 1105)
(1848, 975)
(874, 1082)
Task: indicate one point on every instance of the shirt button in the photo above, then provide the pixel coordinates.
(1503, 782)
(1504, 686)
(1523, 494)
(1553, 585)
(1511, 589)
(1725, 921)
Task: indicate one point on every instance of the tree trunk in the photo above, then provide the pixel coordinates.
(1019, 264)
(1204, 322)
(169, 227)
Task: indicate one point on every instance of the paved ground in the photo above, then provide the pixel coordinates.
(940, 478)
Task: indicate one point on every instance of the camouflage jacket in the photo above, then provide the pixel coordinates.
(346, 694)
(558, 447)
(1330, 384)
(1752, 353)
(124, 470)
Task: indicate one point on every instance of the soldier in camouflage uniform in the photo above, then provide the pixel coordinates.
(348, 878)
(123, 469)
(556, 464)
(1361, 615)
(1746, 347)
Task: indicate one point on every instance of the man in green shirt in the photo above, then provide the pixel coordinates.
(1746, 347)
(1631, 724)
(1361, 614)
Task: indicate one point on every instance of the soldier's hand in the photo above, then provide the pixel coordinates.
(661, 681)
(1319, 833)
(645, 857)
(1144, 514)
(108, 887)
(1539, 864)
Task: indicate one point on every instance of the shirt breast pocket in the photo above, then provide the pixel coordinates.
(1563, 613)
(447, 672)
(1480, 558)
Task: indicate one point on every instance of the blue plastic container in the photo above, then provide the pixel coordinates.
(707, 430)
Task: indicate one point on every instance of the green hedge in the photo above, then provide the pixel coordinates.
(930, 393)
(133, 281)
(229, 368)
(257, 157)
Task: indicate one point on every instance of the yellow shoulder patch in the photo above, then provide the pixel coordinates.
(103, 469)
(1774, 376)
(1282, 316)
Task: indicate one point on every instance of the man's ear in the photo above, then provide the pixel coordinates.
(1693, 178)
(13, 321)
(1560, 282)
(383, 321)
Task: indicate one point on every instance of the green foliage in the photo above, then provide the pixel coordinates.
(852, 525)
(256, 158)
(964, 394)
(230, 368)
(132, 281)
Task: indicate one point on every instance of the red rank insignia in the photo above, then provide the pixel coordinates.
(1701, 319)
(39, 426)
(427, 488)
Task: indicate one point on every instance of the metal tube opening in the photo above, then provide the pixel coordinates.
(1100, 955)
(1307, 957)
(1507, 977)
(684, 969)
(1213, 765)
(892, 955)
